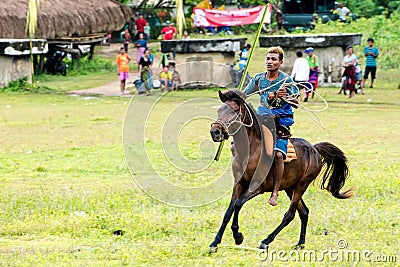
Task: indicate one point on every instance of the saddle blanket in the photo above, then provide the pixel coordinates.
(291, 152)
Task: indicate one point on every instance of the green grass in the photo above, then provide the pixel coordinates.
(66, 187)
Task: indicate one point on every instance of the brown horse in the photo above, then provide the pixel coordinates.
(251, 166)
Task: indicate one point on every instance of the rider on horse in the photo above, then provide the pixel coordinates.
(277, 98)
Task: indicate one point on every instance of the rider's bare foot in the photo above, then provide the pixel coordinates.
(273, 200)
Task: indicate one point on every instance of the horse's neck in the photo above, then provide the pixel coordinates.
(246, 143)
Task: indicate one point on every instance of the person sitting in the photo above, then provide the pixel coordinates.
(166, 79)
(343, 12)
(176, 81)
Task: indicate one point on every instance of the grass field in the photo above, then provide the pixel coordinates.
(66, 187)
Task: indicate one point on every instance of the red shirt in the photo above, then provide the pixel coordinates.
(168, 32)
(140, 23)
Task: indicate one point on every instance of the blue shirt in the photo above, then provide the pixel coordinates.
(278, 107)
(370, 59)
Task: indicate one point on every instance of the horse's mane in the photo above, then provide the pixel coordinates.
(235, 95)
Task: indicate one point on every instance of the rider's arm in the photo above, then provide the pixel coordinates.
(252, 87)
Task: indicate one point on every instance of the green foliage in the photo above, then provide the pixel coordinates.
(384, 30)
(18, 85)
(85, 65)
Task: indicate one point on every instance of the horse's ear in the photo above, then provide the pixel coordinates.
(222, 96)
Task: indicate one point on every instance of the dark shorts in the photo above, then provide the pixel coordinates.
(369, 69)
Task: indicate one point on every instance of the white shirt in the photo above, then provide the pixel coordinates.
(343, 12)
(301, 70)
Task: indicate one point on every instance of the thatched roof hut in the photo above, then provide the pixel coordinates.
(60, 18)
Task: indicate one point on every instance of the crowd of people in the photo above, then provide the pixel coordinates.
(137, 34)
(305, 69)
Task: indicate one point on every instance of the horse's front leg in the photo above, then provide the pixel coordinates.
(238, 236)
(227, 218)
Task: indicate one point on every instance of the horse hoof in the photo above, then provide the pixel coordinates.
(239, 239)
(298, 247)
(213, 250)
(263, 246)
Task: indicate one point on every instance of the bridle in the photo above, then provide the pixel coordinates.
(238, 118)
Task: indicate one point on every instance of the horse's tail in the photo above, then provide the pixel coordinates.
(336, 170)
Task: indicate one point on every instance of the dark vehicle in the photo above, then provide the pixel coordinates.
(55, 64)
(303, 14)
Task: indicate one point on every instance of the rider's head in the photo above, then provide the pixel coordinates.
(274, 58)
(276, 50)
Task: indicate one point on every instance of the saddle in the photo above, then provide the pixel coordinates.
(291, 152)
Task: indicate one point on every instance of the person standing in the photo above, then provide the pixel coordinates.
(141, 45)
(349, 62)
(140, 23)
(275, 89)
(147, 31)
(123, 68)
(145, 71)
(244, 56)
(126, 39)
(301, 70)
(371, 53)
(313, 64)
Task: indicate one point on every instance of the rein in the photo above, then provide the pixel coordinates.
(236, 119)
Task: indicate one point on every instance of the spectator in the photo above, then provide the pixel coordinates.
(371, 53)
(313, 64)
(176, 81)
(123, 68)
(168, 32)
(140, 23)
(126, 39)
(185, 35)
(343, 12)
(301, 70)
(141, 45)
(145, 70)
(132, 23)
(166, 79)
(244, 56)
(359, 77)
(349, 62)
(147, 30)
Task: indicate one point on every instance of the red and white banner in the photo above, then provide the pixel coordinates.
(214, 17)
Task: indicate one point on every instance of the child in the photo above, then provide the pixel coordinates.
(176, 81)
(147, 29)
(166, 79)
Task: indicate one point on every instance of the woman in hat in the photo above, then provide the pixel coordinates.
(313, 63)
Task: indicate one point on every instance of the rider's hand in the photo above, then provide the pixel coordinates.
(281, 92)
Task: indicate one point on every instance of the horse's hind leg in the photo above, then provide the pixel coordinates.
(287, 218)
(303, 213)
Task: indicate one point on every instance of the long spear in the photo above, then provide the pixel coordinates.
(216, 158)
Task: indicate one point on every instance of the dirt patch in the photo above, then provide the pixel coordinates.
(112, 89)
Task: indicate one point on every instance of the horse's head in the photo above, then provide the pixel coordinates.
(230, 115)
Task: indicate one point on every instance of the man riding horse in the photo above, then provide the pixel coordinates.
(275, 88)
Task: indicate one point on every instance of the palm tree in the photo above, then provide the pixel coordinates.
(31, 24)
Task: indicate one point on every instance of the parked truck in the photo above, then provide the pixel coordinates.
(303, 14)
